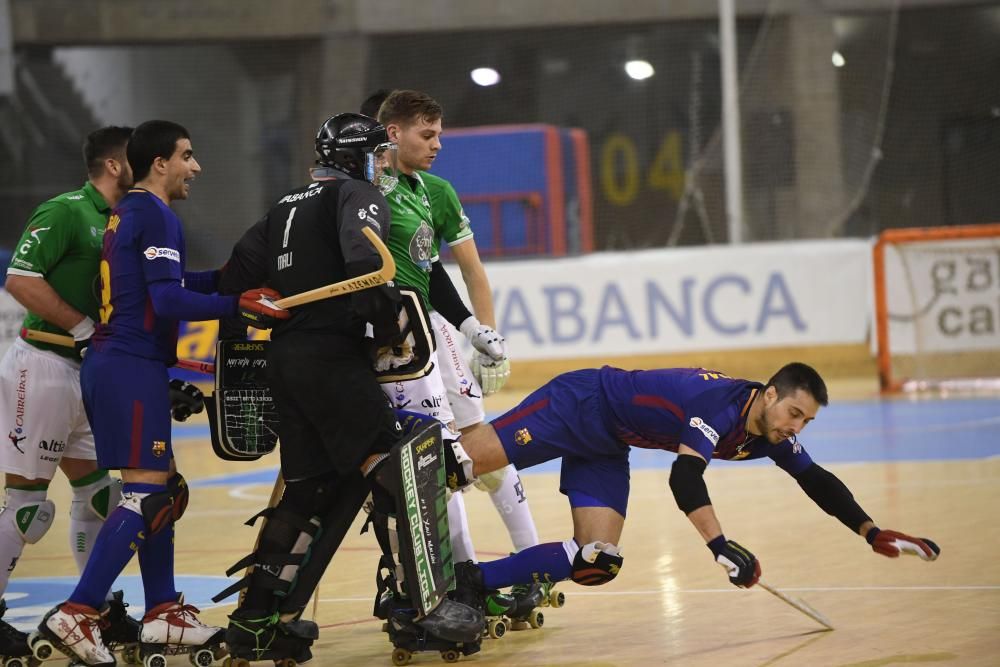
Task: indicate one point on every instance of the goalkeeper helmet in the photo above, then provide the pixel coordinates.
(354, 144)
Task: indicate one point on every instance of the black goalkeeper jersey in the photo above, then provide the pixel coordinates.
(310, 238)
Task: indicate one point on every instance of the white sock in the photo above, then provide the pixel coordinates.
(84, 523)
(458, 525)
(11, 540)
(512, 506)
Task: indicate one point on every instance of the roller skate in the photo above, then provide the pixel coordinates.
(14, 651)
(173, 628)
(409, 637)
(494, 605)
(119, 630)
(73, 629)
(528, 600)
(253, 636)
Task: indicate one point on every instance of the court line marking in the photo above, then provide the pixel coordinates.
(799, 589)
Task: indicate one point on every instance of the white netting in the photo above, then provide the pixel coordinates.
(250, 420)
(943, 312)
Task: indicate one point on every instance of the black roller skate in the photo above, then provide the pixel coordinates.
(14, 651)
(119, 630)
(409, 636)
(529, 599)
(255, 636)
(494, 605)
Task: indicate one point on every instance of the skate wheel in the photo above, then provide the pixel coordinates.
(451, 655)
(401, 656)
(536, 619)
(230, 661)
(130, 655)
(518, 625)
(40, 647)
(201, 658)
(285, 662)
(496, 629)
(556, 598)
(15, 661)
(154, 660)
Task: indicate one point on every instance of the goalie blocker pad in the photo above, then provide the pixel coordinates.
(242, 416)
(415, 332)
(422, 517)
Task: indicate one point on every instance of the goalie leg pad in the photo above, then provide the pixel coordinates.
(596, 563)
(96, 499)
(32, 512)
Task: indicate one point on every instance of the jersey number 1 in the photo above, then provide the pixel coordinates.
(288, 227)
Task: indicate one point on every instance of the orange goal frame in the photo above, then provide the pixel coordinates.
(908, 235)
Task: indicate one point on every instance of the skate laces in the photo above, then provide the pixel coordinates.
(266, 622)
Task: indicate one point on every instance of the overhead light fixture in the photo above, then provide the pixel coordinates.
(837, 59)
(639, 69)
(485, 76)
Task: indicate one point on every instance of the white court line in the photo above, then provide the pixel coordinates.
(801, 589)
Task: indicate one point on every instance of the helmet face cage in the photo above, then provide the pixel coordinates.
(381, 167)
(345, 140)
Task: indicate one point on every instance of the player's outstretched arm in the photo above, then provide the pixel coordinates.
(688, 486)
(834, 498)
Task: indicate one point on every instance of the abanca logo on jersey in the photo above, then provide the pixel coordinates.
(709, 432)
(152, 252)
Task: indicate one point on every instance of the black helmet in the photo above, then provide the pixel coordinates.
(344, 139)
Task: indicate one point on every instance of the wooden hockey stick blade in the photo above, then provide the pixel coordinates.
(276, 491)
(356, 284)
(801, 605)
(206, 367)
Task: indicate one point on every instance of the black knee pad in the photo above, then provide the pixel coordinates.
(178, 488)
(157, 510)
(596, 563)
(312, 496)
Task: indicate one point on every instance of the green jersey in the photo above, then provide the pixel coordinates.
(62, 244)
(425, 209)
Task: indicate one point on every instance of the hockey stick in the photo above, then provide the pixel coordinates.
(801, 605)
(356, 284)
(206, 367)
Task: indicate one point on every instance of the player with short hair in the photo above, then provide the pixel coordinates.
(53, 274)
(427, 212)
(145, 290)
(591, 418)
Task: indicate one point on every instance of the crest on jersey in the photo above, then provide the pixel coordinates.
(522, 436)
(159, 448)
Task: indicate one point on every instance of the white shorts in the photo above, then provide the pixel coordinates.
(41, 412)
(464, 394)
(425, 395)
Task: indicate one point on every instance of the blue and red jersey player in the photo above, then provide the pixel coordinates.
(144, 292)
(590, 419)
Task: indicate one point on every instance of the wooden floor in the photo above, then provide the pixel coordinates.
(671, 603)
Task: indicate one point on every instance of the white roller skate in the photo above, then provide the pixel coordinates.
(74, 629)
(173, 628)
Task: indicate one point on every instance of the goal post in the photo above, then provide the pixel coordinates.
(937, 307)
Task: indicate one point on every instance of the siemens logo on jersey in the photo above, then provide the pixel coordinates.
(152, 252)
(299, 196)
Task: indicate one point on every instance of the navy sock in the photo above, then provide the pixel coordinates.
(542, 562)
(122, 534)
(156, 562)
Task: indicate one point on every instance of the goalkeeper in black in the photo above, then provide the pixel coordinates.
(336, 427)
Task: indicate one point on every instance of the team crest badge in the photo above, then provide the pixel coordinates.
(159, 448)
(522, 437)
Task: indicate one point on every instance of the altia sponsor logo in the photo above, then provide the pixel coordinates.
(152, 252)
(709, 432)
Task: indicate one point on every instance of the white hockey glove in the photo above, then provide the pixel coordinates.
(489, 362)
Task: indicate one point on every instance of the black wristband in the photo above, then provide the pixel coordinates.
(717, 545)
(872, 534)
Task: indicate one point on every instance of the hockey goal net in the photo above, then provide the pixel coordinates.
(937, 308)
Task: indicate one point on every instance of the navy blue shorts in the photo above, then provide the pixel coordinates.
(563, 420)
(128, 404)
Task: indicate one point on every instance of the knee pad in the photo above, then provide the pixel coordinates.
(32, 513)
(596, 563)
(178, 488)
(96, 500)
(157, 509)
